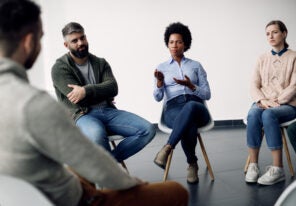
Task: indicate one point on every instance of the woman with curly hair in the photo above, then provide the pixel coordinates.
(183, 84)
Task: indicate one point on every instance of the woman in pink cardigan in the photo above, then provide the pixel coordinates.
(273, 89)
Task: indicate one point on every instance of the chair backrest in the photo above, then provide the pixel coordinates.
(164, 128)
(288, 197)
(161, 124)
(210, 124)
(15, 192)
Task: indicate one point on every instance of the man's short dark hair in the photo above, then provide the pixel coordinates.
(71, 28)
(178, 28)
(17, 18)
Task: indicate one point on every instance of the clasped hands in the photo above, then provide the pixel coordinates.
(186, 82)
(268, 103)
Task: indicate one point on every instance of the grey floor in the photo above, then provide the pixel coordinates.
(227, 152)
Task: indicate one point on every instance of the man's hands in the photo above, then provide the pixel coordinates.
(186, 82)
(268, 103)
(77, 94)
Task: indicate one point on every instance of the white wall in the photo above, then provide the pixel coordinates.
(228, 36)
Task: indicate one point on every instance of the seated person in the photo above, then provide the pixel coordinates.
(38, 138)
(85, 84)
(274, 94)
(183, 84)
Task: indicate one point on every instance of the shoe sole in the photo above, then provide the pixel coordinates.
(271, 183)
(251, 180)
(194, 182)
(159, 164)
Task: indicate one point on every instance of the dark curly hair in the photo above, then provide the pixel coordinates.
(178, 28)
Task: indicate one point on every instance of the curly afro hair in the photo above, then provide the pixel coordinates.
(178, 28)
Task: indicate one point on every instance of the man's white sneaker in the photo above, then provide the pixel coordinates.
(273, 175)
(252, 174)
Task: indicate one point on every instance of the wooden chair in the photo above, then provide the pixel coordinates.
(162, 126)
(112, 140)
(284, 127)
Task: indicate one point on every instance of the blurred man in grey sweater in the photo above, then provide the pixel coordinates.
(37, 138)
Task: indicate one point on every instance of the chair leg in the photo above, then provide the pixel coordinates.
(205, 157)
(122, 162)
(284, 132)
(167, 166)
(124, 166)
(247, 164)
(113, 144)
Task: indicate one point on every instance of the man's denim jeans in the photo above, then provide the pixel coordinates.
(100, 122)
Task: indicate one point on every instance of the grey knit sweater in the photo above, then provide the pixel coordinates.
(37, 138)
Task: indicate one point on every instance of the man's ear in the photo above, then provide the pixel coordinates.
(28, 43)
(66, 44)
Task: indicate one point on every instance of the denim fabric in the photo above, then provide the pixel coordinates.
(103, 121)
(184, 114)
(269, 120)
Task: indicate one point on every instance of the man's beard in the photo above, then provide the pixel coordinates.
(80, 54)
(32, 57)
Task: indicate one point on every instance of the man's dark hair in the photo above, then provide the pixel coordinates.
(178, 28)
(17, 18)
(71, 28)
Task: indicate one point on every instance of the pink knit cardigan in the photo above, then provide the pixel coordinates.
(275, 78)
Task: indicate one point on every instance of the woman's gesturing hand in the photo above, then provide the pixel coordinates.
(186, 82)
(159, 76)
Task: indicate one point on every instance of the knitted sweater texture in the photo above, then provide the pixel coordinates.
(275, 78)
